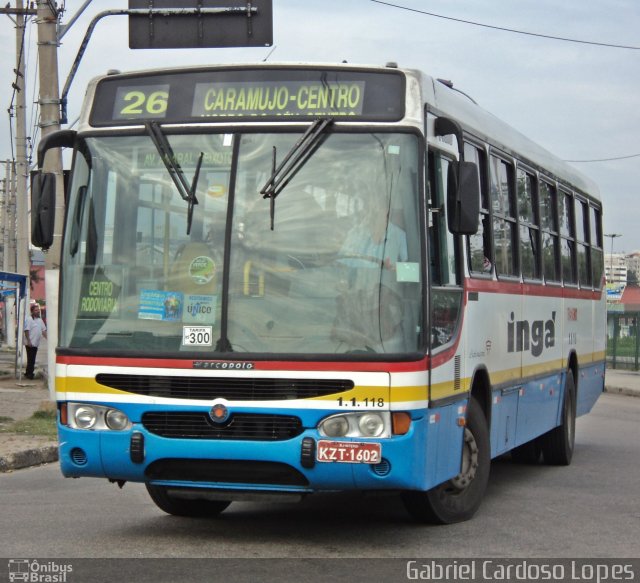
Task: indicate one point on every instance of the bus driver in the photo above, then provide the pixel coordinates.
(369, 305)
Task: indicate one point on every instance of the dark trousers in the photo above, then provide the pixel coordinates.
(31, 360)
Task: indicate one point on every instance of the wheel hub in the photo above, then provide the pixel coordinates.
(469, 462)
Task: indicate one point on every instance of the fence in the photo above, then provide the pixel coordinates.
(623, 342)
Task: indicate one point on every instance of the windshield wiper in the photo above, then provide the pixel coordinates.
(187, 191)
(295, 159)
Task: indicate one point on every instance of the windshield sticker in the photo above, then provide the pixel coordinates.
(199, 309)
(202, 269)
(197, 336)
(408, 272)
(100, 293)
(160, 305)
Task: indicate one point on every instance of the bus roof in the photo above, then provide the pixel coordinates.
(487, 127)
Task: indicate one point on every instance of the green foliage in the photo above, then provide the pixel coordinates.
(40, 423)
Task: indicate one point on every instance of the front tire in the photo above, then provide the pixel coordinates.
(459, 498)
(193, 508)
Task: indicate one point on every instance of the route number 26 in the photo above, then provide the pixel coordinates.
(142, 104)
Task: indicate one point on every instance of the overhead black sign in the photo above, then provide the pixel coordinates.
(267, 93)
(216, 23)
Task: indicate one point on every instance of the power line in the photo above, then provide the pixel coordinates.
(606, 159)
(16, 87)
(571, 40)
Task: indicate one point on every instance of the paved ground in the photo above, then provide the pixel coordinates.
(19, 399)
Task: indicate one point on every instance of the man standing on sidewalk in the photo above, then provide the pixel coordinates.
(34, 330)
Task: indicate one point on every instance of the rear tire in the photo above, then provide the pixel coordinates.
(558, 444)
(459, 498)
(193, 508)
(527, 453)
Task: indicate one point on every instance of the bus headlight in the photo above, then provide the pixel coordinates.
(371, 425)
(85, 417)
(337, 426)
(116, 420)
(96, 417)
(365, 424)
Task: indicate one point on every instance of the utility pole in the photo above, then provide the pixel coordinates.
(22, 167)
(6, 222)
(49, 102)
(3, 226)
(11, 218)
(10, 256)
(3, 217)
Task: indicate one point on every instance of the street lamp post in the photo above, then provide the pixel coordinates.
(612, 236)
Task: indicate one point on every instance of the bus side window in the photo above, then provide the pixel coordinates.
(529, 229)
(504, 216)
(446, 293)
(567, 237)
(443, 260)
(584, 252)
(549, 228)
(479, 245)
(597, 254)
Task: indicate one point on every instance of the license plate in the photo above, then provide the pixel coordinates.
(349, 452)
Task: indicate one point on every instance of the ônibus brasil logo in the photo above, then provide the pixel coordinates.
(34, 571)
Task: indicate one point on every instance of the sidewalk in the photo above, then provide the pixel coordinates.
(20, 399)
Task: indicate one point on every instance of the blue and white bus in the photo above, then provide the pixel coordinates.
(280, 280)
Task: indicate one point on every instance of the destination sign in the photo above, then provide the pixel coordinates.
(294, 98)
(271, 94)
(141, 102)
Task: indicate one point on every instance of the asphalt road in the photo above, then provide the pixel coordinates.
(589, 509)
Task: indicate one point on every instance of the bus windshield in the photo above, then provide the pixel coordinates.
(332, 266)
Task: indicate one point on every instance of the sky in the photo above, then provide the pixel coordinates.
(580, 101)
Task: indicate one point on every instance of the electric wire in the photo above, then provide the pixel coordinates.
(15, 87)
(512, 30)
(606, 159)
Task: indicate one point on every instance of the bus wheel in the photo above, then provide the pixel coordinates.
(527, 453)
(459, 498)
(557, 444)
(176, 506)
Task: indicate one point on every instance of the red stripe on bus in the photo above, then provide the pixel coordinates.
(530, 289)
(395, 367)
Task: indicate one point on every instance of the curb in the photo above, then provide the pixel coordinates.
(28, 458)
(622, 391)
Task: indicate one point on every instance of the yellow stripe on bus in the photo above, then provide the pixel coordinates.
(84, 385)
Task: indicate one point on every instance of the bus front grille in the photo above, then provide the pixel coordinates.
(225, 471)
(240, 426)
(232, 389)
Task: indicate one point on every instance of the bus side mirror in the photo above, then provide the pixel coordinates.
(43, 190)
(43, 208)
(463, 198)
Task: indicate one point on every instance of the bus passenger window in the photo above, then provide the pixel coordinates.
(504, 221)
(567, 238)
(479, 245)
(443, 263)
(446, 294)
(597, 255)
(584, 253)
(529, 231)
(549, 228)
